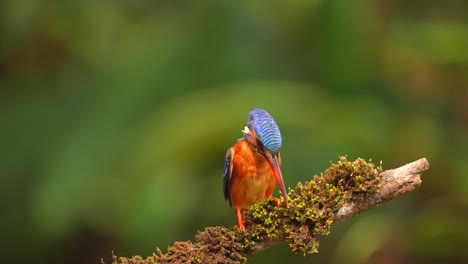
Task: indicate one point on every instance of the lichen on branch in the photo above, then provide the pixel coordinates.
(312, 206)
(343, 190)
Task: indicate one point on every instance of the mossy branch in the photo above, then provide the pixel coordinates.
(342, 191)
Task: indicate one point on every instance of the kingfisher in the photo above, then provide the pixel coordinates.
(252, 165)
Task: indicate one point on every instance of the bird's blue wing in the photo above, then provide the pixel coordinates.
(227, 175)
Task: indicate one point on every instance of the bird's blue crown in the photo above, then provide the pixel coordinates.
(266, 129)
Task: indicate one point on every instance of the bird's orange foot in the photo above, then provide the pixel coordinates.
(240, 222)
(241, 225)
(277, 201)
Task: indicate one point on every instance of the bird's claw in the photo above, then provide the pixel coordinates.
(241, 226)
(240, 222)
(277, 201)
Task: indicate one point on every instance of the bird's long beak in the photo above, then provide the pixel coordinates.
(279, 177)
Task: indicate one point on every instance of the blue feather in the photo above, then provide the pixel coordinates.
(227, 176)
(266, 128)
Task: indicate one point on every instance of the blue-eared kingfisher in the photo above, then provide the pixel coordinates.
(252, 165)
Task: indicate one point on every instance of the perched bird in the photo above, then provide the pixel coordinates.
(252, 166)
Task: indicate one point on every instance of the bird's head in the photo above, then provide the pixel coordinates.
(263, 133)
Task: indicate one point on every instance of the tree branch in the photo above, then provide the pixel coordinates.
(393, 183)
(341, 192)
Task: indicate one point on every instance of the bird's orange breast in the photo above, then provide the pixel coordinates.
(252, 178)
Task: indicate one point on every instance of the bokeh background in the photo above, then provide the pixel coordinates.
(116, 116)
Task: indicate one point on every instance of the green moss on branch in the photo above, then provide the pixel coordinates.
(313, 207)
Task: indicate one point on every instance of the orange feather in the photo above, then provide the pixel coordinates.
(252, 178)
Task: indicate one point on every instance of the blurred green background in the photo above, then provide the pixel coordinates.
(116, 116)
